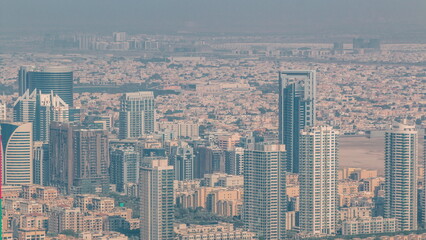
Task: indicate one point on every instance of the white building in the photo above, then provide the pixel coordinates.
(180, 129)
(157, 199)
(318, 180)
(41, 110)
(401, 175)
(369, 226)
(17, 147)
(265, 200)
(136, 115)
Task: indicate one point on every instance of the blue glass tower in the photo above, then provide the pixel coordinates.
(56, 79)
(296, 111)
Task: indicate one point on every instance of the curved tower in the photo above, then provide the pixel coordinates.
(17, 153)
(56, 79)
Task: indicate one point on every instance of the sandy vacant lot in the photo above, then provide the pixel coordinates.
(360, 151)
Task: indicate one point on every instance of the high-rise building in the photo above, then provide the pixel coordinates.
(124, 167)
(136, 114)
(17, 142)
(91, 160)
(318, 180)
(40, 154)
(400, 175)
(41, 110)
(182, 159)
(3, 111)
(296, 111)
(234, 161)
(23, 78)
(265, 200)
(61, 156)
(119, 36)
(79, 159)
(209, 160)
(157, 203)
(56, 79)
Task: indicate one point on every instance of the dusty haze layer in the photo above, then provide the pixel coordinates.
(390, 17)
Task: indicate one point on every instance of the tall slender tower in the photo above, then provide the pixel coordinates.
(23, 78)
(124, 167)
(401, 177)
(182, 158)
(296, 111)
(265, 200)
(318, 180)
(157, 204)
(136, 115)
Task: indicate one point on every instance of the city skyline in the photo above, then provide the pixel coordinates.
(194, 120)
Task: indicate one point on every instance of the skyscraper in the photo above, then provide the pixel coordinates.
(136, 114)
(61, 155)
(265, 200)
(79, 159)
(209, 160)
(318, 180)
(56, 79)
(400, 175)
(296, 111)
(156, 191)
(124, 167)
(91, 160)
(38, 163)
(234, 161)
(23, 83)
(17, 153)
(40, 109)
(182, 159)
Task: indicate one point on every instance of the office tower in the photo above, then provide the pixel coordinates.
(38, 163)
(17, 153)
(400, 175)
(124, 167)
(136, 114)
(3, 111)
(56, 79)
(157, 207)
(79, 159)
(24, 109)
(23, 83)
(296, 111)
(61, 155)
(424, 187)
(265, 200)
(41, 110)
(234, 161)
(119, 36)
(182, 158)
(318, 180)
(208, 160)
(91, 160)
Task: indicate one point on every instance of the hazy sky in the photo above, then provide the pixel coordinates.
(238, 16)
